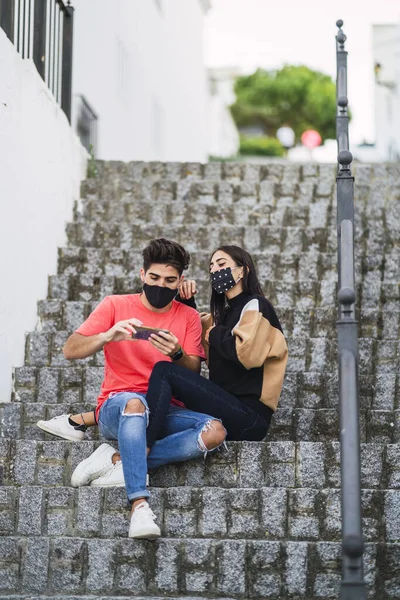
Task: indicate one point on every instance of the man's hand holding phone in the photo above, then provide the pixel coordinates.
(122, 331)
(166, 342)
(132, 329)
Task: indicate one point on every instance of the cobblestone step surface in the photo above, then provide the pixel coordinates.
(268, 192)
(305, 354)
(260, 520)
(112, 597)
(197, 209)
(289, 179)
(305, 514)
(302, 318)
(243, 465)
(97, 597)
(311, 266)
(297, 424)
(206, 237)
(254, 238)
(372, 292)
(275, 170)
(79, 386)
(169, 188)
(117, 170)
(117, 262)
(240, 569)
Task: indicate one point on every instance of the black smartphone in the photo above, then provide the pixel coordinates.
(143, 333)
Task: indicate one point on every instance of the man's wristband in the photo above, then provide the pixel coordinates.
(178, 355)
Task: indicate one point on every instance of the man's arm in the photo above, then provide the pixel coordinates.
(168, 344)
(82, 346)
(190, 362)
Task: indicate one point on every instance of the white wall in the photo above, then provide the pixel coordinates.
(41, 165)
(386, 51)
(142, 70)
(224, 136)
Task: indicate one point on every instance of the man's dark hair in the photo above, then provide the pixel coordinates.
(165, 252)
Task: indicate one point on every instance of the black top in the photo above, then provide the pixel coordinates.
(225, 368)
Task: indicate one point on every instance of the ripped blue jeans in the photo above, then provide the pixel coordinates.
(180, 438)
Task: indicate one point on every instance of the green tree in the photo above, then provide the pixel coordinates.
(295, 95)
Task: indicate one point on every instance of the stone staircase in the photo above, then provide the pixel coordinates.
(261, 520)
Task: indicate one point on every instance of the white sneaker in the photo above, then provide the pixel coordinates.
(113, 478)
(93, 467)
(60, 427)
(142, 523)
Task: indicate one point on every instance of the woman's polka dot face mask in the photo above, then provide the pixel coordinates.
(222, 280)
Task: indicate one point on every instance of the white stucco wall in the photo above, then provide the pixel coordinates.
(224, 135)
(386, 52)
(41, 165)
(141, 67)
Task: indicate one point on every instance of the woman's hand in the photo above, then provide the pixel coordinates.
(121, 331)
(187, 289)
(167, 343)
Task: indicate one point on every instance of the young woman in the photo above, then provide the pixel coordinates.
(246, 356)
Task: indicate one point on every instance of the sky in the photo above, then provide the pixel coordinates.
(247, 34)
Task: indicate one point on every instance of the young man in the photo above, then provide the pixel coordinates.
(122, 412)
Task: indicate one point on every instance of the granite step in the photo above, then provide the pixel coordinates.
(195, 237)
(18, 420)
(240, 569)
(271, 168)
(97, 597)
(254, 238)
(322, 292)
(79, 386)
(304, 317)
(109, 186)
(311, 265)
(317, 354)
(117, 262)
(289, 182)
(243, 465)
(372, 292)
(253, 211)
(242, 170)
(371, 197)
(266, 513)
(304, 213)
(117, 170)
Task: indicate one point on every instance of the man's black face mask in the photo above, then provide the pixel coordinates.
(159, 296)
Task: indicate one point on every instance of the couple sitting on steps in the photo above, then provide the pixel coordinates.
(153, 399)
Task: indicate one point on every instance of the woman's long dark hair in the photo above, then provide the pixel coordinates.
(251, 285)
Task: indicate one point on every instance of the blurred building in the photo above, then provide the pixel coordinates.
(139, 69)
(386, 55)
(138, 76)
(224, 136)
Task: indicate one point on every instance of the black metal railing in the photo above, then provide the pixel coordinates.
(86, 124)
(353, 585)
(42, 30)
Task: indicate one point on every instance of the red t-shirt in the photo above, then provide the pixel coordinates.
(128, 364)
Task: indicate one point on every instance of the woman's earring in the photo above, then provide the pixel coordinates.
(240, 277)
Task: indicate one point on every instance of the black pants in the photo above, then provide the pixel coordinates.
(170, 380)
